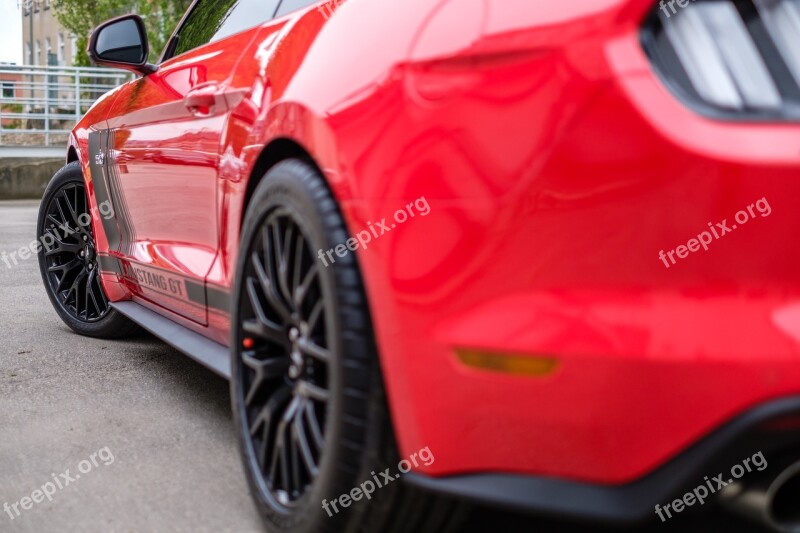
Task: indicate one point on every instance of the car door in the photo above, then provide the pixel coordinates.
(162, 156)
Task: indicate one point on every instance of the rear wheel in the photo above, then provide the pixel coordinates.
(306, 386)
(68, 259)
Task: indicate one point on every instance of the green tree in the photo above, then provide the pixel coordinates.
(81, 16)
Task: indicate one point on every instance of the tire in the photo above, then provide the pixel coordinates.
(337, 359)
(67, 260)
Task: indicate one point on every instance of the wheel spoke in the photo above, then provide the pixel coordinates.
(63, 247)
(284, 459)
(313, 425)
(299, 247)
(315, 392)
(66, 267)
(265, 330)
(265, 370)
(294, 456)
(280, 455)
(64, 219)
(264, 421)
(309, 347)
(269, 289)
(275, 459)
(93, 282)
(302, 441)
(74, 288)
(262, 326)
(283, 260)
(316, 312)
(54, 221)
(85, 203)
(73, 210)
(87, 291)
(301, 291)
(62, 282)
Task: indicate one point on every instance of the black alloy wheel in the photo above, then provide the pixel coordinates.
(286, 352)
(68, 259)
(306, 384)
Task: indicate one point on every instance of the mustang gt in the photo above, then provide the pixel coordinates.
(537, 255)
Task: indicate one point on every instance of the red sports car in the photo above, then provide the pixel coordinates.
(529, 253)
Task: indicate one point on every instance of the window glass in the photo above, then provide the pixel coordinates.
(212, 20)
(287, 6)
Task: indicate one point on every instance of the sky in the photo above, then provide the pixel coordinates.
(10, 32)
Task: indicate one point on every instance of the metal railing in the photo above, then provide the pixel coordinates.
(39, 105)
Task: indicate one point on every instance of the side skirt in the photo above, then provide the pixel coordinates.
(205, 351)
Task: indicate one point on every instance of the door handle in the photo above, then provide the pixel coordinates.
(201, 99)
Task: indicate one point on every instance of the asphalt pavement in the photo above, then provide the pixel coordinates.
(132, 436)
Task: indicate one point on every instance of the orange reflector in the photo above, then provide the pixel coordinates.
(248, 343)
(510, 364)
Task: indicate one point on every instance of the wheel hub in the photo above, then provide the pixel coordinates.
(298, 362)
(88, 255)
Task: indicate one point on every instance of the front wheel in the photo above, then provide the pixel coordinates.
(307, 392)
(68, 259)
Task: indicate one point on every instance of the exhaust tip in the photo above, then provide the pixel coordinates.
(785, 504)
(771, 500)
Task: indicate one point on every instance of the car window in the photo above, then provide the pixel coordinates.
(287, 6)
(212, 20)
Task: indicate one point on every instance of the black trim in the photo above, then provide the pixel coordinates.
(629, 503)
(120, 204)
(98, 146)
(109, 264)
(169, 48)
(207, 352)
(195, 292)
(210, 297)
(218, 299)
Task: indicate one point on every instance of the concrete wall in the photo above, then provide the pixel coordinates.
(26, 177)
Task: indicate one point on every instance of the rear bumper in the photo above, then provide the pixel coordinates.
(639, 377)
(547, 244)
(759, 429)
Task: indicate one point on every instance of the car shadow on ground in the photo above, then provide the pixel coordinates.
(199, 384)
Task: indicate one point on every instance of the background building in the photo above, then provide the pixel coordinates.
(44, 40)
(9, 92)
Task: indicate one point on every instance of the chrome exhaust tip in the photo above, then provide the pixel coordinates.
(773, 501)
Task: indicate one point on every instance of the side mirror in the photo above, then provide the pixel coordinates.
(121, 43)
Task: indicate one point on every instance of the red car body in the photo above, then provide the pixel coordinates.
(557, 165)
